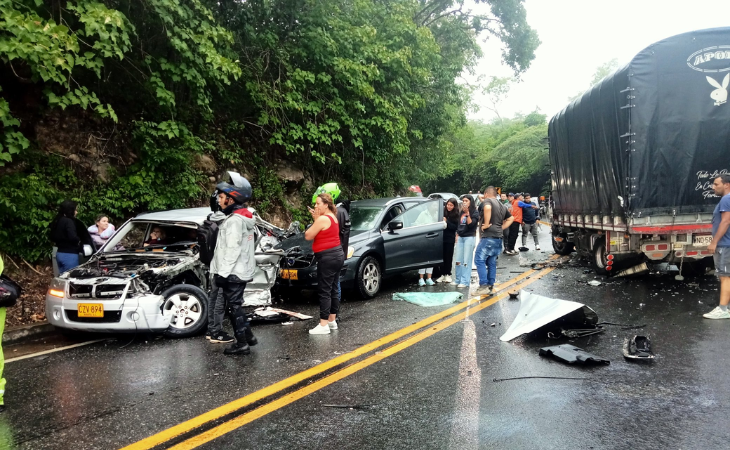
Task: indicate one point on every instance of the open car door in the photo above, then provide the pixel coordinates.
(414, 239)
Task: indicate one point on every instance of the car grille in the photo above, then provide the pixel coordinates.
(297, 262)
(110, 291)
(79, 290)
(103, 291)
(109, 317)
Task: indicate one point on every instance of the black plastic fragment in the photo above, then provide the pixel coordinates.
(572, 355)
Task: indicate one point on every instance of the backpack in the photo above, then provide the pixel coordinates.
(10, 292)
(207, 238)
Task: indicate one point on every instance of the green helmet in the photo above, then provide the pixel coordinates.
(330, 188)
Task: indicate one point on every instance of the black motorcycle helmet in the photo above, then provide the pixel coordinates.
(240, 191)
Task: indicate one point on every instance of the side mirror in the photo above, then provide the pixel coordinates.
(395, 225)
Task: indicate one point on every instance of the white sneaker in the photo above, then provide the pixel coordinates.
(717, 313)
(440, 279)
(537, 247)
(319, 329)
(461, 285)
(332, 325)
(448, 279)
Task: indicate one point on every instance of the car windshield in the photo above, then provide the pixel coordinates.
(148, 236)
(364, 217)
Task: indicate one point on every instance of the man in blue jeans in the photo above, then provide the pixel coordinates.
(495, 219)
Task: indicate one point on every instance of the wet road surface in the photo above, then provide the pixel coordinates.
(431, 385)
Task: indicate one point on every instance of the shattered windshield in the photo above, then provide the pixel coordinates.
(150, 236)
(363, 217)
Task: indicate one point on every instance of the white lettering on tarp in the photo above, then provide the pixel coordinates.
(710, 59)
(707, 178)
(700, 59)
(703, 186)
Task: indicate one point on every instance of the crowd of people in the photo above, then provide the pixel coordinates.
(498, 218)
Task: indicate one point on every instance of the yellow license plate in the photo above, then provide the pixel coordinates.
(91, 310)
(289, 274)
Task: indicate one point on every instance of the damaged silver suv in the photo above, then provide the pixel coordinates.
(148, 277)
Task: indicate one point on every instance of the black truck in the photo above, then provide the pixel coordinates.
(633, 159)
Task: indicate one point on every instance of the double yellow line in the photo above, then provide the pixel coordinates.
(475, 305)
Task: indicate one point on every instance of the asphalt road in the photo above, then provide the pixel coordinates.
(397, 375)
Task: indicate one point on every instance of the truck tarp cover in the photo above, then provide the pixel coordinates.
(653, 135)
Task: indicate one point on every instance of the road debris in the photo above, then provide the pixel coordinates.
(275, 315)
(352, 407)
(572, 355)
(548, 314)
(497, 380)
(638, 348)
(594, 283)
(429, 298)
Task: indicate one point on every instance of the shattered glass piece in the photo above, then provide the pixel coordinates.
(572, 355)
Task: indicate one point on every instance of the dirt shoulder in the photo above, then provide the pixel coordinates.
(31, 307)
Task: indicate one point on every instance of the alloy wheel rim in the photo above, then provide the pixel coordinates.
(183, 310)
(371, 278)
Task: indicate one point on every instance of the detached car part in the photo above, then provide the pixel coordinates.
(638, 347)
(572, 355)
(549, 315)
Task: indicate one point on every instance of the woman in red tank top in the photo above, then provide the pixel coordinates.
(325, 232)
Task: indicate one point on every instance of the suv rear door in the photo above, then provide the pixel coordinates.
(420, 242)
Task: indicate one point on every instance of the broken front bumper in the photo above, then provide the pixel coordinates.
(122, 311)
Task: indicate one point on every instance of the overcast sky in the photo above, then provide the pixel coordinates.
(580, 35)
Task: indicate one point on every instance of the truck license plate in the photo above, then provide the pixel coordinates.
(289, 274)
(91, 310)
(702, 240)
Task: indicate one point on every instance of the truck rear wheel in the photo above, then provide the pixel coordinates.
(599, 260)
(562, 247)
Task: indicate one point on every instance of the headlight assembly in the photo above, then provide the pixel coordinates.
(57, 288)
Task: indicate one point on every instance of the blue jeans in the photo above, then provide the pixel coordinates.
(486, 260)
(463, 257)
(66, 261)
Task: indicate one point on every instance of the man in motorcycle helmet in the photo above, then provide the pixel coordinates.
(234, 262)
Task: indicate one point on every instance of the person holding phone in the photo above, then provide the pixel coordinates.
(466, 232)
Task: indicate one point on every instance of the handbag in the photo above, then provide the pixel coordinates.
(10, 292)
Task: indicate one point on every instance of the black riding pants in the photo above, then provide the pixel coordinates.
(329, 264)
(233, 288)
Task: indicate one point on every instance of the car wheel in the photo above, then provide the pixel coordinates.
(369, 277)
(564, 247)
(186, 306)
(599, 261)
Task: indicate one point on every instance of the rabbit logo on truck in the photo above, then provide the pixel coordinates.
(713, 60)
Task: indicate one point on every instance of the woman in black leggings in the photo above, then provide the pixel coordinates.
(451, 217)
(325, 232)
